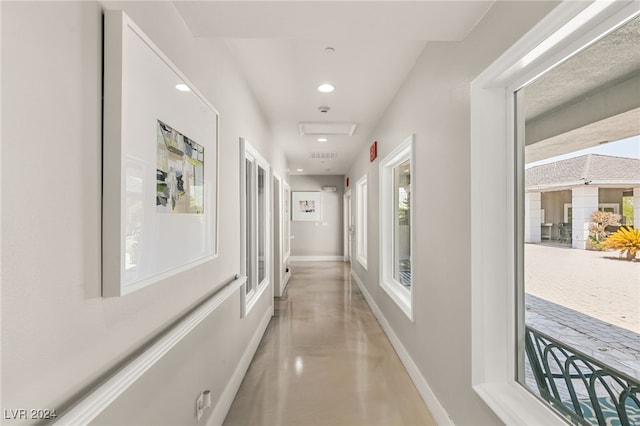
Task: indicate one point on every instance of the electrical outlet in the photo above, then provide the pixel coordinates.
(199, 406)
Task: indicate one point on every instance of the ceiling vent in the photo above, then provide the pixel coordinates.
(324, 128)
(324, 155)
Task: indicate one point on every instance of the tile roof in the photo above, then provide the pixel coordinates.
(592, 168)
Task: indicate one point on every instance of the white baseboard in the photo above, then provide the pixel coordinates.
(437, 410)
(316, 258)
(285, 281)
(228, 395)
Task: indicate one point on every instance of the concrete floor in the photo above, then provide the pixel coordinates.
(324, 360)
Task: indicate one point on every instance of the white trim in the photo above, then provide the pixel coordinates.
(287, 222)
(493, 232)
(362, 222)
(315, 258)
(276, 257)
(248, 300)
(438, 412)
(285, 282)
(399, 293)
(565, 216)
(346, 225)
(98, 400)
(221, 409)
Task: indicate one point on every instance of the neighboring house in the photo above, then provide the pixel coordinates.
(560, 197)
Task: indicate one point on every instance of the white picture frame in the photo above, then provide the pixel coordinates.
(306, 206)
(160, 164)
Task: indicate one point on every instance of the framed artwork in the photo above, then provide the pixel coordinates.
(160, 148)
(306, 206)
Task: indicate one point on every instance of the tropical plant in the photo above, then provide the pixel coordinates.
(626, 239)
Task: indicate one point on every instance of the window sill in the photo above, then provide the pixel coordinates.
(514, 405)
(400, 295)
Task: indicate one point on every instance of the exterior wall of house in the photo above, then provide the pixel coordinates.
(434, 104)
(636, 208)
(59, 336)
(532, 218)
(611, 196)
(584, 200)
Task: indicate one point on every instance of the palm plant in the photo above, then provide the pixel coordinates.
(627, 240)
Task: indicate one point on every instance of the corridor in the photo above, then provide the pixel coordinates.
(324, 360)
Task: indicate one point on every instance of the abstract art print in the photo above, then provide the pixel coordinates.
(160, 164)
(306, 206)
(179, 173)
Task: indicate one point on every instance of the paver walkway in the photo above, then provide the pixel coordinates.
(595, 283)
(616, 346)
(587, 299)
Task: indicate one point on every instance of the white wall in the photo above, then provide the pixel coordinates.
(324, 238)
(59, 337)
(434, 103)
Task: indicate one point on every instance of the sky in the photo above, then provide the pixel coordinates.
(629, 148)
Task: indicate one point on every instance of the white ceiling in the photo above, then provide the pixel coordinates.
(280, 48)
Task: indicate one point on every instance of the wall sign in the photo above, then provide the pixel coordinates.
(373, 151)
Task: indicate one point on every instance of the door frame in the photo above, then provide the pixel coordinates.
(347, 220)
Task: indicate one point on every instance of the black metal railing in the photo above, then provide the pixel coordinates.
(586, 391)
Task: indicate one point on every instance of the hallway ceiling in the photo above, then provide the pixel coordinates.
(281, 49)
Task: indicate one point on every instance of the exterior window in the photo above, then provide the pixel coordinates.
(395, 225)
(568, 297)
(402, 223)
(255, 241)
(525, 367)
(361, 221)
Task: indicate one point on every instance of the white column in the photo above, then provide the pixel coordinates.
(636, 208)
(584, 200)
(532, 203)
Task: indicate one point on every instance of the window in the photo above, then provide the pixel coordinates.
(496, 237)
(603, 207)
(563, 357)
(395, 225)
(361, 221)
(255, 225)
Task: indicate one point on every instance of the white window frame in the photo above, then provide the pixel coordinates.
(614, 206)
(601, 207)
(493, 172)
(398, 293)
(362, 209)
(565, 215)
(286, 195)
(249, 299)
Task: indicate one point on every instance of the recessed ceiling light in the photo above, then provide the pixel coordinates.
(322, 139)
(300, 170)
(326, 88)
(183, 87)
